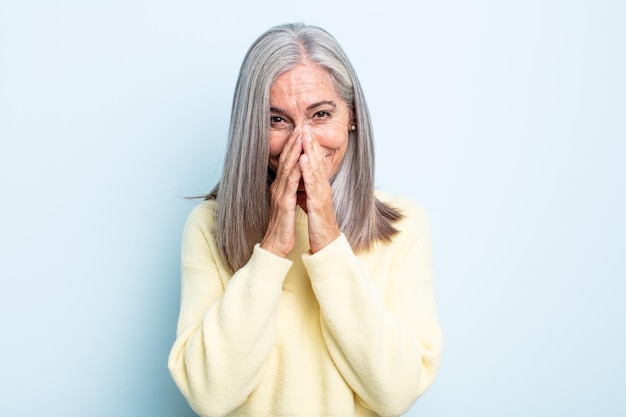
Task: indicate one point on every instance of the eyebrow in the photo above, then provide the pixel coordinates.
(322, 103)
(278, 110)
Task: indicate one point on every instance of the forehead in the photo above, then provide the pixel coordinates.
(303, 80)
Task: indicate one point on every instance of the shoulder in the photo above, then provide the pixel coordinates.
(414, 219)
(202, 214)
(201, 220)
(199, 233)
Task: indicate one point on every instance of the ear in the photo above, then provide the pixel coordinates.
(353, 123)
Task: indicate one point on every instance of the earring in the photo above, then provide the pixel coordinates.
(353, 128)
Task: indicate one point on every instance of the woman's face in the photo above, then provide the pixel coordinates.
(304, 100)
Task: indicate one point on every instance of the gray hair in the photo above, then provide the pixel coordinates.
(242, 206)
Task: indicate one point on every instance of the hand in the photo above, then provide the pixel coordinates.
(322, 223)
(280, 235)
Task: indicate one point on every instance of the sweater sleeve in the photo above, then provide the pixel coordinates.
(386, 344)
(224, 333)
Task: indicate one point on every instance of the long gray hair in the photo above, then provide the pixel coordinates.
(242, 195)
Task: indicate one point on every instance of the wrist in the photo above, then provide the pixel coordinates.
(321, 243)
(270, 245)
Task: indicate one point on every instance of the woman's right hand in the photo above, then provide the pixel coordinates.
(280, 236)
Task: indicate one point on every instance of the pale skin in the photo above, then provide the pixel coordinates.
(310, 125)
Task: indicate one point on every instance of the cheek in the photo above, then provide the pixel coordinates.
(335, 143)
(331, 137)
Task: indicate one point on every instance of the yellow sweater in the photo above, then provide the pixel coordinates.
(329, 334)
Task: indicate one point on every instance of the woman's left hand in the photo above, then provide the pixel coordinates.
(323, 227)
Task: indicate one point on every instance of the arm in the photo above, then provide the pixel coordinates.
(386, 344)
(224, 333)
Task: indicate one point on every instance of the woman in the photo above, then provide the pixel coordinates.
(304, 293)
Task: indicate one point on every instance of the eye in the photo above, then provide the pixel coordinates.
(278, 122)
(322, 114)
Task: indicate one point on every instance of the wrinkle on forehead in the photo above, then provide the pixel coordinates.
(303, 82)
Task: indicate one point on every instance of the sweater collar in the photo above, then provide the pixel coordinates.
(301, 216)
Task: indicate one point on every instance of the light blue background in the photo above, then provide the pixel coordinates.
(505, 119)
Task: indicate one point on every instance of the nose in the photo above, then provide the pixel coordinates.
(301, 127)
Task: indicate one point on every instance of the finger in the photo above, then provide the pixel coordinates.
(293, 180)
(310, 172)
(289, 156)
(288, 174)
(307, 142)
(314, 148)
(287, 149)
(315, 154)
(318, 190)
(305, 168)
